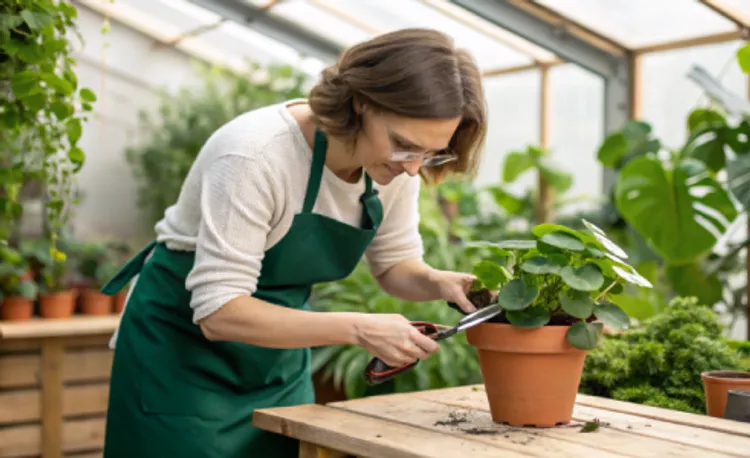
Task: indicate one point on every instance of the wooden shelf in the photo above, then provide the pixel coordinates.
(77, 325)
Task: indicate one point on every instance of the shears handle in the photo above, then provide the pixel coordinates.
(377, 371)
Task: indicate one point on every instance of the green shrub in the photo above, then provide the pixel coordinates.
(660, 363)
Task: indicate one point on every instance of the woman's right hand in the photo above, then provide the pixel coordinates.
(392, 338)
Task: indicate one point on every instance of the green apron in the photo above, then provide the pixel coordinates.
(173, 393)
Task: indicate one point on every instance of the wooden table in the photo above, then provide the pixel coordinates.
(455, 422)
(54, 386)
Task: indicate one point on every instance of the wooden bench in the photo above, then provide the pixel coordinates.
(54, 386)
(455, 422)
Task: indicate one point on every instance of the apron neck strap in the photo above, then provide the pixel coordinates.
(320, 147)
(316, 171)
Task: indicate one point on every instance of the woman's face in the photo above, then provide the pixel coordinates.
(390, 145)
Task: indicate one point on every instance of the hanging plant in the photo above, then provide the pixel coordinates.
(42, 107)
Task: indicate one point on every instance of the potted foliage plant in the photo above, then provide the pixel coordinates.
(553, 290)
(57, 299)
(18, 291)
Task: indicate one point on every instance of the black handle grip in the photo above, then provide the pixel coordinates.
(377, 371)
(455, 306)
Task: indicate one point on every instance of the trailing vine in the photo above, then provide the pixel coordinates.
(42, 108)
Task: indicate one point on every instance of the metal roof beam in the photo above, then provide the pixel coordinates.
(256, 18)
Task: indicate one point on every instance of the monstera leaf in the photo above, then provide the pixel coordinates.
(680, 211)
(738, 171)
(633, 141)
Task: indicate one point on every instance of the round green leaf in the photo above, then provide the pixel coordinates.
(87, 95)
(588, 277)
(28, 289)
(541, 265)
(603, 240)
(577, 304)
(490, 274)
(678, 211)
(585, 336)
(563, 240)
(530, 317)
(517, 295)
(612, 315)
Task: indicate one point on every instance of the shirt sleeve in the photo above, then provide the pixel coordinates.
(398, 238)
(237, 205)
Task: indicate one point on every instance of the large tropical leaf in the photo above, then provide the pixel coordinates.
(738, 171)
(633, 141)
(681, 212)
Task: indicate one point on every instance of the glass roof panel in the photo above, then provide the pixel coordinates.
(637, 23)
(183, 15)
(242, 42)
(388, 15)
(321, 22)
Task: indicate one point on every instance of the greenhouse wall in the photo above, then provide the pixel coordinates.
(127, 69)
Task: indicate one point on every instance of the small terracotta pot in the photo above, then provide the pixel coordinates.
(716, 386)
(118, 301)
(16, 308)
(531, 376)
(94, 302)
(60, 304)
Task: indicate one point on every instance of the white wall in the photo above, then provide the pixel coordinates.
(125, 69)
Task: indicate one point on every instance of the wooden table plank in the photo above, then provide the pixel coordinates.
(368, 437)
(460, 424)
(646, 436)
(672, 416)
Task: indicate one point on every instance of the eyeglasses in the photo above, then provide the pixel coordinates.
(427, 161)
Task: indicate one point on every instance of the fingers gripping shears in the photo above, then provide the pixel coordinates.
(377, 371)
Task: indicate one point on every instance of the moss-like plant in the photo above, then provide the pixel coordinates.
(562, 277)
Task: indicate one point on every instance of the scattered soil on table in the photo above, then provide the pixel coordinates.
(454, 418)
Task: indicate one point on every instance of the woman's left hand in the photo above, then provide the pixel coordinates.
(453, 287)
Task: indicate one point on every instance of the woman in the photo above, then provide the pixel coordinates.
(279, 199)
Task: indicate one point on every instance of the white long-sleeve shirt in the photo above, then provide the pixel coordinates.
(242, 192)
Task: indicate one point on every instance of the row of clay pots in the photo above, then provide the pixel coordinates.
(532, 376)
(62, 304)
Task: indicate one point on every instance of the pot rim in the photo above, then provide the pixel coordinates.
(726, 375)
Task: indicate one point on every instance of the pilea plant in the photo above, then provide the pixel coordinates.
(561, 278)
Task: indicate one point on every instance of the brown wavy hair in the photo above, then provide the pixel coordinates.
(414, 73)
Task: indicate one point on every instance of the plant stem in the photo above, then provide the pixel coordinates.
(605, 291)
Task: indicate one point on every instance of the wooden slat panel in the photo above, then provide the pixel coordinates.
(20, 406)
(25, 406)
(15, 346)
(85, 399)
(83, 435)
(647, 437)
(19, 371)
(20, 441)
(87, 365)
(673, 416)
(368, 437)
(52, 389)
(85, 455)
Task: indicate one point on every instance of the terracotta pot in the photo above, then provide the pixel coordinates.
(60, 304)
(716, 386)
(118, 301)
(94, 302)
(531, 376)
(16, 308)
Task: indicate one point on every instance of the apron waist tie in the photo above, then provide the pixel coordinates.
(128, 271)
